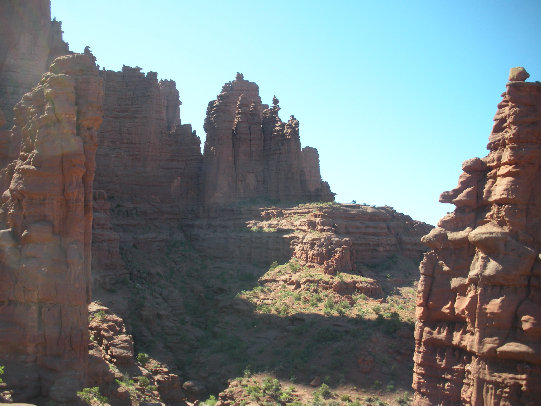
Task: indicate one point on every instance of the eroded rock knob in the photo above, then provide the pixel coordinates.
(518, 74)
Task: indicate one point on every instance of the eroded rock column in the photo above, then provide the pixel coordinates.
(45, 241)
(478, 334)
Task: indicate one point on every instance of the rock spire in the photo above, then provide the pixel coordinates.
(478, 335)
(251, 153)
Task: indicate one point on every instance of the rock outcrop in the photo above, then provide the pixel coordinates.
(340, 238)
(250, 153)
(45, 241)
(29, 41)
(111, 356)
(478, 335)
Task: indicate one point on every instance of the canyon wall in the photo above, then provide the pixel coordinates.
(153, 174)
(478, 335)
(45, 241)
(148, 162)
(250, 153)
(148, 167)
(29, 41)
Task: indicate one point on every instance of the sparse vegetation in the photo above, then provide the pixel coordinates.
(288, 320)
(211, 401)
(97, 315)
(92, 396)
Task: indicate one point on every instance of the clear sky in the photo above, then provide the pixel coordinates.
(395, 95)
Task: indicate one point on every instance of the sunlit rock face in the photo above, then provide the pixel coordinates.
(478, 332)
(46, 232)
(251, 153)
(29, 41)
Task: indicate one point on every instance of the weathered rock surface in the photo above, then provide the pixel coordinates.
(148, 163)
(111, 356)
(29, 41)
(107, 265)
(250, 153)
(45, 241)
(478, 335)
(338, 237)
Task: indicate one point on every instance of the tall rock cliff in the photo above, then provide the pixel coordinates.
(46, 232)
(478, 335)
(250, 153)
(148, 167)
(29, 41)
(148, 162)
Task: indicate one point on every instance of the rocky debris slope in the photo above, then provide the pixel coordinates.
(250, 153)
(121, 376)
(478, 336)
(29, 41)
(45, 241)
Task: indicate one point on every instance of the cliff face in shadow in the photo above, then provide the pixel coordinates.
(479, 300)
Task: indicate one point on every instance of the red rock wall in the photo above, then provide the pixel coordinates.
(107, 266)
(148, 163)
(46, 234)
(29, 41)
(251, 154)
(478, 335)
(338, 237)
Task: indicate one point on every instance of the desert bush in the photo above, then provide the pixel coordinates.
(211, 401)
(143, 358)
(91, 396)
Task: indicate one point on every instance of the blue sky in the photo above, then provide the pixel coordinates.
(395, 95)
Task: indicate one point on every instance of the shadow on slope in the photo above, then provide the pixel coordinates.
(213, 319)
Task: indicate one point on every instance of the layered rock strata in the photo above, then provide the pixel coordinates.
(45, 241)
(341, 238)
(29, 41)
(107, 265)
(250, 153)
(148, 162)
(478, 335)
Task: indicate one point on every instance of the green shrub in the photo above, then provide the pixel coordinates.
(211, 401)
(272, 387)
(254, 391)
(324, 391)
(143, 358)
(91, 396)
(143, 381)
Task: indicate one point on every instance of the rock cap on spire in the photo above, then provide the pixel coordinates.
(518, 74)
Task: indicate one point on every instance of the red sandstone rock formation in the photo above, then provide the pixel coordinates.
(478, 336)
(107, 265)
(45, 241)
(338, 237)
(250, 153)
(29, 41)
(111, 356)
(148, 163)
